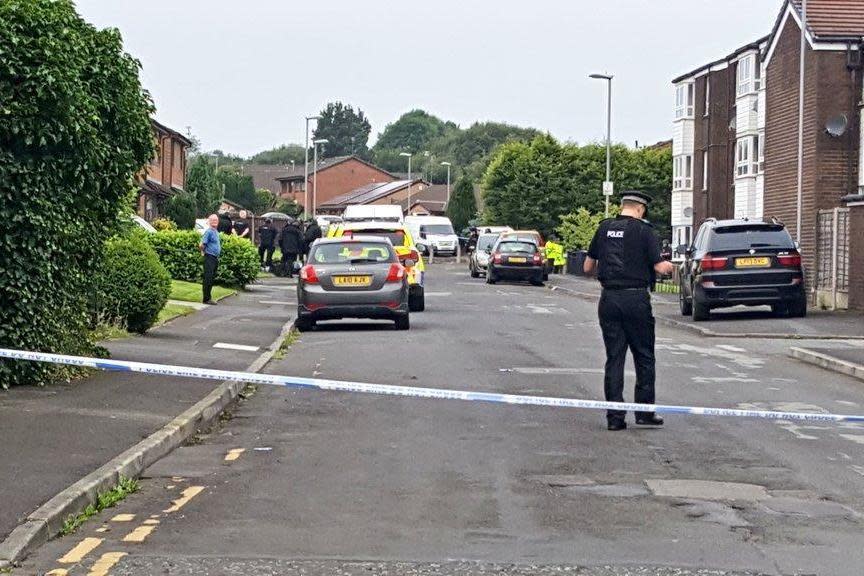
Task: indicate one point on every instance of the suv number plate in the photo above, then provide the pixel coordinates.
(760, 262)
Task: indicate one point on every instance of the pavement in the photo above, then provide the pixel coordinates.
(308, 482)
(55, 435)
(736, 322)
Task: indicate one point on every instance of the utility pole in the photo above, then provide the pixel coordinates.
(799, 217)
(306, 170)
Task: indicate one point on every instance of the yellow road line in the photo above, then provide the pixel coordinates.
(105, 563)
(57, 572)
(139, 534)
(184, 499)
(234, 454)
(123, 518)
(80, 550)
(151, 522)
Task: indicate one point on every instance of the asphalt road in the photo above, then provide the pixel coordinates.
(304, 482)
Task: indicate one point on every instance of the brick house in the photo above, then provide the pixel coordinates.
(165, 174)
(379, 193)
(735, 142)
(336, 176)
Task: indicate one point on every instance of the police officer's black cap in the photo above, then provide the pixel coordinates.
(636, 196)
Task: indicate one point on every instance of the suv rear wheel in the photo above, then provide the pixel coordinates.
(685, 305)
(798, 308)
(701, 310)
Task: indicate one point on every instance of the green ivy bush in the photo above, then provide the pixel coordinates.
(178, 251)
(132, 284)
(74, 130)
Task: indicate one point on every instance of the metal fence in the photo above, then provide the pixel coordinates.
(832, 253)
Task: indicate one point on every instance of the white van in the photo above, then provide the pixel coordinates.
(433, 233)
(376, 212)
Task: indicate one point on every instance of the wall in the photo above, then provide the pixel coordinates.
(856, 257)
(343, 178)
(712, 134)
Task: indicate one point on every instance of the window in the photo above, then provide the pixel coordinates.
(745, 75)
(759, 83)
(705, 170)
(707, 94)
(684, 100)
(745, 159)
(759, 152)
(682, 172)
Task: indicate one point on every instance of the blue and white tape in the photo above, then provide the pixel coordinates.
(409, 391)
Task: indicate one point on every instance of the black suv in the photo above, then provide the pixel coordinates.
(750, 262)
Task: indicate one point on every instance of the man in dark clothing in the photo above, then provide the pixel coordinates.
(267, 239)
(626, 254)
(312, 233)
(241, 228)
(226, 226)
(292, 245)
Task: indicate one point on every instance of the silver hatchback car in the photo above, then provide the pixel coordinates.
(359, 277)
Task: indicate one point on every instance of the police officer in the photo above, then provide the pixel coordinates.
(625, 252)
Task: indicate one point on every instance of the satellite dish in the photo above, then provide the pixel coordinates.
(688, 212)
(836, 125)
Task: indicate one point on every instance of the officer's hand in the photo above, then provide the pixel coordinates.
(664, 268)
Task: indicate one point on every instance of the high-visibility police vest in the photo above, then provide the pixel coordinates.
(555, 253)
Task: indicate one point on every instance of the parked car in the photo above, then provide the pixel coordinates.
(749, 262)
(398, 235)
(358, 277)
(515, 259)
(143, 224)
(433, 234)
(537, 238)
(479, 259)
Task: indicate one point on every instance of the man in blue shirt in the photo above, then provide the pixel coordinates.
(211, 248)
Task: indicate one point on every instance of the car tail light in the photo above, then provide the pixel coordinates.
(497, 258)
(710, 262)
(537, 258)
(396, 273)
(308, 275)
(411, 255)
(347, 234)
(791, 260)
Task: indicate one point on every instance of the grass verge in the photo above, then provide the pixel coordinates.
(109, 499)
(171, 311)
(286, 343)
(191, 291)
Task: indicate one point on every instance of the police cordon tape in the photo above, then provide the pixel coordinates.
(406, 391)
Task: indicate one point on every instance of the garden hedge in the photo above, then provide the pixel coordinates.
(178, 251)
(74, 130)
(132, 286)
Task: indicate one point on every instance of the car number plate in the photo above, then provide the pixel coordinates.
(760, 262)
(517, 260)
(352, 280)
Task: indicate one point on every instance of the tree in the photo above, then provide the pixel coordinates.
(237, 187)
(76, 129)
(413, 132)
(463, 204)
(201, 181)
(281, 155)
(182, 209)
(346, 131)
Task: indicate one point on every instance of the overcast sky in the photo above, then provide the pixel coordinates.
(243, 74)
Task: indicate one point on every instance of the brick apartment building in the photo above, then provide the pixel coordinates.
(336, 176)
(378, 193)
(165, 174)
(735, 142)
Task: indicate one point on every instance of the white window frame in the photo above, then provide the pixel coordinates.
(684, 100)
(743, 157)
(707, 95)
(682, 172)
(704, 170)
(759, 144)
(744, 75)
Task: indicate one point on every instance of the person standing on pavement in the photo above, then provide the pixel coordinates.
(211, 249)
(312, 233)
(267, 239)
(292, 245)
(625, 253)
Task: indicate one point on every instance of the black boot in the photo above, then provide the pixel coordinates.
(649, 420)
(616, 425)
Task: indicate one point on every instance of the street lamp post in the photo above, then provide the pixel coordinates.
(608, 182)
(306, 169)
(315, 144)
(408, 155)
(447, 164)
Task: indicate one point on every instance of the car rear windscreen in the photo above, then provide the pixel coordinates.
(352, 253)
(486, 242)
(517, 247)
(440, 229)
(396, 237)
(756, 236)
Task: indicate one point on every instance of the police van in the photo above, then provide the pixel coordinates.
(433, 233)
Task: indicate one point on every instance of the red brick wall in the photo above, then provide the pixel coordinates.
(712, 133)
(856, 257)
(344, 177)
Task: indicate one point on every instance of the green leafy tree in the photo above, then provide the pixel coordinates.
(201, 181)
(463, 204)
(182, 209)
(264, 201)
(281, 155)
(577, 229)
(413, 132)
(237, 186)
(75, 131)
(346, 131)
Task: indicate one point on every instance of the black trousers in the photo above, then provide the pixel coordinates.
(627, 322)
(288, 259)
(211, 263)
(268, 250)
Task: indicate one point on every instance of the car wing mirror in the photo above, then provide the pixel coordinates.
(409, 263)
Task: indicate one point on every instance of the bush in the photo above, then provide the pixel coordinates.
(577, 229)
(182, 209)
(164, 224)
(132, 285)
(75, 131)
(178, 251)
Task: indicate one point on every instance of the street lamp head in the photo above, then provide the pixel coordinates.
(446, 164)
(313, 117)
(408, 154)
(321, 141)
(600, 76)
